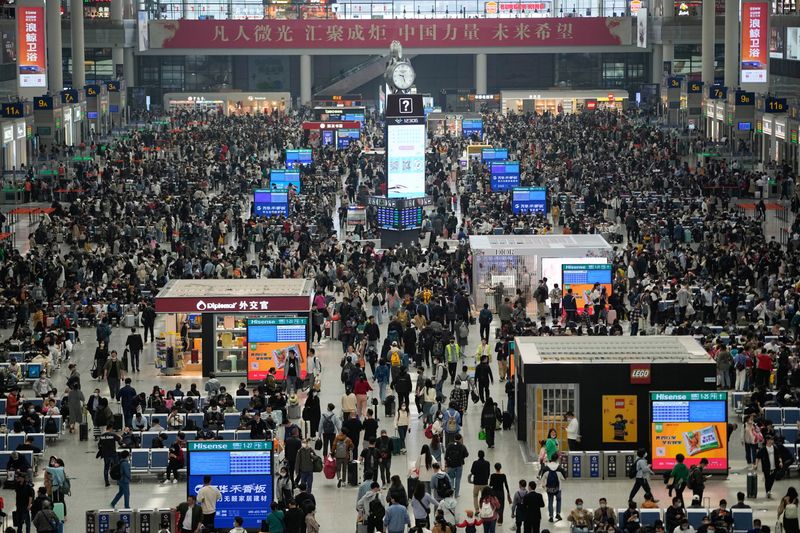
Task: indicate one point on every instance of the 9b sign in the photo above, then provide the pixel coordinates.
(745, 98)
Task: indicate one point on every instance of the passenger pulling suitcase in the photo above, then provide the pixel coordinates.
(752, 485)
(352, 473)
(293, 411)
(83, 431)
(397, 445)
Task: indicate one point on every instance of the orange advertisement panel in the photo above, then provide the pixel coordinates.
(619, 418)
(31, 52)
(755, 18)
(694, 424)
(581, 278)
(269, 341)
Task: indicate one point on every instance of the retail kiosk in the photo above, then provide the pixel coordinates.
(236, 327)
(555, 375)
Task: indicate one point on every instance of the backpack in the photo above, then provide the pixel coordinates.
(741, 365)
(438, 347)
(376, 511)
(487, 511)
(341, 450)
(327, 424)
(463, 331)
(316, 462)
(633, 469)
(692, 482)
(551, 484)
(115, 472)
(375, 303)
(66, 487)
(452, 456)
(50, 426)
(396, 361)
(452, 423)
(443, 485)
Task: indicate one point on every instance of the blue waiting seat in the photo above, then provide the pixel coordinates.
(774, 414)
(742, 520)
(227, 434)
(197, 418)
(649, 516)
(38, 440)
(158, 459)
(696, 516)
(243, 434)
(140, 460)
(58, 419)
(15, 439)
(37, 402)
(6, 456)
(147, 438)
(231, 420)
(241, 402)
(791, 415)
(789, 434)
(11, 420)
(2, 406)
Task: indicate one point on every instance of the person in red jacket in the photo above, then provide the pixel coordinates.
(361, 390)
(763, 370)
(12, 402)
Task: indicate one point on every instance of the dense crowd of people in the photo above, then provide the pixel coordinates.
(173, 202)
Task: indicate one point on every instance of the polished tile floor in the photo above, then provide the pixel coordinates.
(339, 504)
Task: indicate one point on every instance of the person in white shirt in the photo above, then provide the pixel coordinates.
(207, 497)
(573, 432)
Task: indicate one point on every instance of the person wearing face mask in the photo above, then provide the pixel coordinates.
(643, 472)
(770, 461)
(580, 518)
(604, 516)
(675, 514)
(722, 515)
(684, 527)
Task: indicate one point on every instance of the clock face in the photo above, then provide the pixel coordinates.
(403, 76)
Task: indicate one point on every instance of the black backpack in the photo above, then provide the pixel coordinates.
(50, 426)
(115, 472)
(376, 512)
(443, 485)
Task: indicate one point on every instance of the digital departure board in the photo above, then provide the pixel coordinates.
(295, 158)
(345, 137)
(529, 200)
(504, 175)
(268, 203)
(472, 126)
(494, 154)
(281, 179)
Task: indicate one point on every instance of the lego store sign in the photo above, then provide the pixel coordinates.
(641, 374)
(354, 34)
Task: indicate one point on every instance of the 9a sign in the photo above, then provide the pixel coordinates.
(43, 102)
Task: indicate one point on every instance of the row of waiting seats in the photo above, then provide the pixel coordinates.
(36, 402)
(782, 415)
(742, 518)
(231, 420)
(30, 371)
(149, 461)
(58, 420)
(147, 437)
(10, 441)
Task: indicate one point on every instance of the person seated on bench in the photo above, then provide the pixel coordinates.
(580, 518)
(28, 446)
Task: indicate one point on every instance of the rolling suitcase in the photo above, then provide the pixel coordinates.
(118, 422)
(83, 431)
(508, 420)
(752, 485)
(293, 411)
(397, 445)
(352, 473)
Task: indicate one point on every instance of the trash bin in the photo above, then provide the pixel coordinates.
(563, 461)
(594, 461)
(611, 463)
(91, 521)
(629, 460)
(151, 520)
(577, 465)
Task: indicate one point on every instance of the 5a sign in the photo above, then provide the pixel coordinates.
(641, 374)
(13, 109)
(695, 87)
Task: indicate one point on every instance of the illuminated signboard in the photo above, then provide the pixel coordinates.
(13, 109)
(281, 179)
(268, 203)
(406, 138)
(755, 16)
(581, 279)
(494, 154)
(718, 92)
(472, 126)
(241, 471)
(694, 424)
(31, 48)
(295, 158)
(529, 200)
(505, 175)
(269, 341)
(775, 105)
(345, 137)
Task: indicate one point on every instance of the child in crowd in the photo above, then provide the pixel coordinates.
(471, 522)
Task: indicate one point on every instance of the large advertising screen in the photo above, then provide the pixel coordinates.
(793, 44)
(268, 203)
(581, 279)
(694, 424)
(269, 341)
(472, 126)
(505, 175)
(494, 154)
(281, 179)
(529, 200)
(552, 267)
(755, 16)
(405, 150)
(295, 158)
(345, 137)
(241, 471)
(399, 218)
(31, 58)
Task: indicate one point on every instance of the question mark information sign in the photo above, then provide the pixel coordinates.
(406, 138)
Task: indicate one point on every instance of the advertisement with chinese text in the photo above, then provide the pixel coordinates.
(269, 341)
(690, 423)
(31, 58)
(754, 42)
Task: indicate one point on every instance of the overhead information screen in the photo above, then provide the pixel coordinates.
(472, 126)
(494, 154)
(690, 423)
(268, 203)
(295, 158)
(505, 175)
(345, 137)
(269, 341)
(581, 279)
(399, 213)
(241, 471)
(529, 200)
(281, 179)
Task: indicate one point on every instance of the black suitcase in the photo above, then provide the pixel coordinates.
(508, 420)
(352, 473)
(118, 422)
(388, 406)
(752, 485)
(83, 431)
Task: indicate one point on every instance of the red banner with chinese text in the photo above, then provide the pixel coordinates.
(445, 33)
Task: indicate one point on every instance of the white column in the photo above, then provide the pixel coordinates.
(480, 73)
(707, 42)
(55, 67)
(667, 48)
(78, 44)
(305, 79)
(129, 68)
(657, 64)
(731, 43)
(117, 55)
(185, 8)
